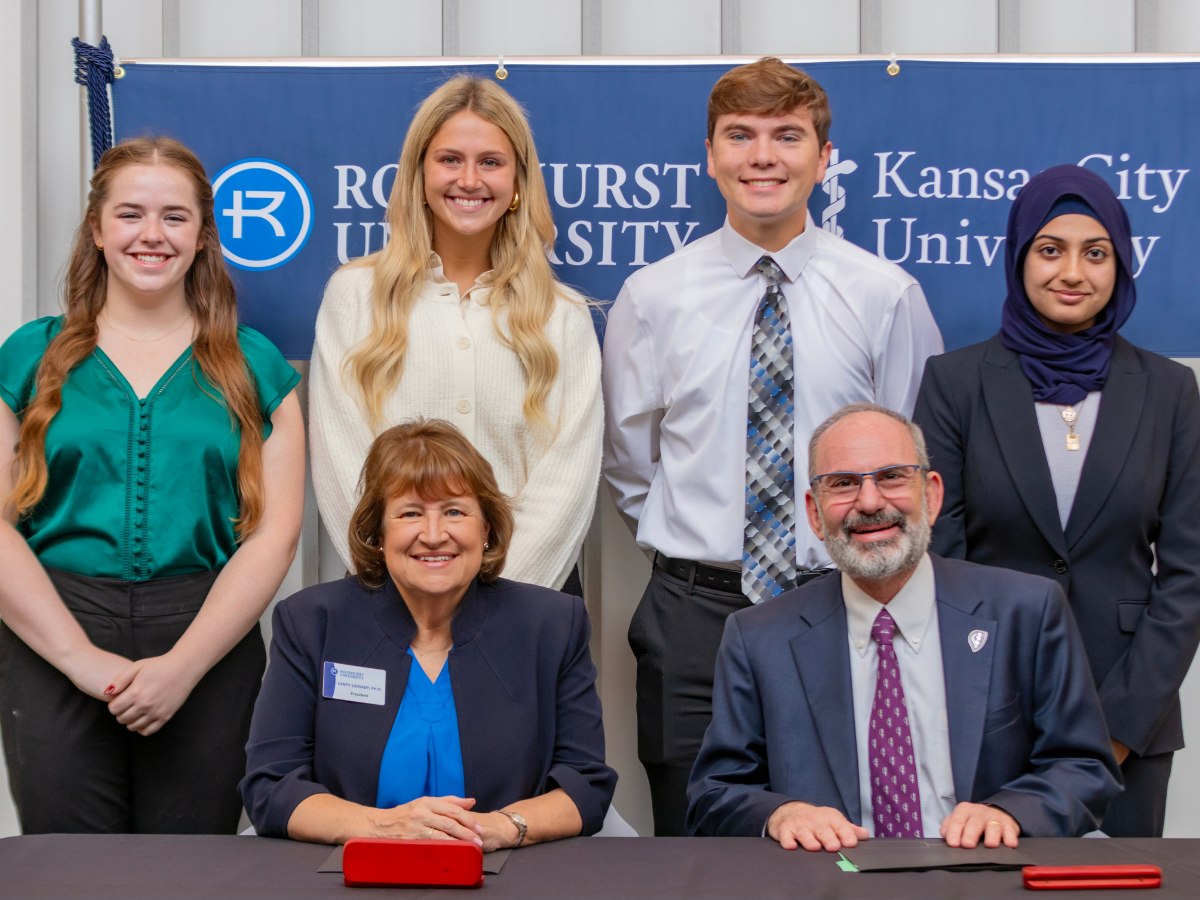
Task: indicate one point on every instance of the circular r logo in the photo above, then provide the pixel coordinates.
(264, 213)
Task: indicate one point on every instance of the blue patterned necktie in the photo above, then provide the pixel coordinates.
(769, 543)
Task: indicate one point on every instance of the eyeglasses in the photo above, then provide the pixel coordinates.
(890, 481)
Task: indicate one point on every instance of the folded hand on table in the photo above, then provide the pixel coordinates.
(149, 692)
(813, 828)
(971, 821)
(430, 818)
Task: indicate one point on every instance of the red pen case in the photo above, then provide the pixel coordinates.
(391, 862)
(1080, 878)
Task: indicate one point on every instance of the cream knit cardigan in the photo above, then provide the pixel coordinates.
(457, 368)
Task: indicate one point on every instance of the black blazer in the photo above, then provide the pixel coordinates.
(1139, 492)
(524, 685)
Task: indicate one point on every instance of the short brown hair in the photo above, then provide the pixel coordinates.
(432, 458)
(769, 87)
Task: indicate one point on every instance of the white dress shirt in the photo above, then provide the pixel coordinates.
(458, 368)
(919, 654)
(677, 377)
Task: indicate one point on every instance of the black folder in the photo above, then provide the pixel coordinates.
(893, 855)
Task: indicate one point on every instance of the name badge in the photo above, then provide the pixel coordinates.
(354, 683)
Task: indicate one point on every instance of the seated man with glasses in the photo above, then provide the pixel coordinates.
(905, 695)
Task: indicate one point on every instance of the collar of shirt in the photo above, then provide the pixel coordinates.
(438, 277)
(910, 608)
(743, 255)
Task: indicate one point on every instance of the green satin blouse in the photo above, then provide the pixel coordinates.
(138, 488)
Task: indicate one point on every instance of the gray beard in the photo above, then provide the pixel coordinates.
(882, 559)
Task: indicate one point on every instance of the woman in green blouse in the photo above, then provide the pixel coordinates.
(153, 505)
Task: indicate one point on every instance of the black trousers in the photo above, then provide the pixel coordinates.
(73, 768)
(1141, 809)
(675, 634)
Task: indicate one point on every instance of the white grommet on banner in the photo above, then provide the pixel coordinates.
(893, 67)
(501, 72)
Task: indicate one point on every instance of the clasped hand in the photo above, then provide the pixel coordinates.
(446, 818)
(799, 824)
(148, 692)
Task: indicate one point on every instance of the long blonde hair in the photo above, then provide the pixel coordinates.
(210, 296)
(523, 284)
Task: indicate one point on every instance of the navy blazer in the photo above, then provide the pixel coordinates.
(524, 685)
(1139, 493)
(1026, 730)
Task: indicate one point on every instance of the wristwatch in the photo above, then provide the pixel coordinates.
(519, 821)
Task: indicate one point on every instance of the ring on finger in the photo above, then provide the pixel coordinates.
(995, 822)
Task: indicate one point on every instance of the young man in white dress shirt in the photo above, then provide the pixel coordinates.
(714, 358)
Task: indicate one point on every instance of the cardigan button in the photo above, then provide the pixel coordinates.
(464, 343)
(1060, 567)
(464, 406)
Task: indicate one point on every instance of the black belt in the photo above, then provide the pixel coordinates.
(728, 581)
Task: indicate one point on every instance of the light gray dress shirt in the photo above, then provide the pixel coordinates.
(1067, 465)
(919, 654)
(677, 377)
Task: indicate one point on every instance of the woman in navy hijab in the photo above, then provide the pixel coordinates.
(1068, 452)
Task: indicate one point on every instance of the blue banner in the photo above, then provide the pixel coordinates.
(927, 163)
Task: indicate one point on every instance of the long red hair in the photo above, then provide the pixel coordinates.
(210, 295)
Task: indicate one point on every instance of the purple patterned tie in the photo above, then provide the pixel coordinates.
(895, 796)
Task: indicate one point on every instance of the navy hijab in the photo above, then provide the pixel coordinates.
(1063, 368)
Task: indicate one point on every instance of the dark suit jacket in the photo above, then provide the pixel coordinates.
(524, 686)
(1140, 487)
(1026, 731)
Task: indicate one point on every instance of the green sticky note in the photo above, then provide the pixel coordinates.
(845, 865)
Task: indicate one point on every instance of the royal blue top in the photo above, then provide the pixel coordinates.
(423, 755)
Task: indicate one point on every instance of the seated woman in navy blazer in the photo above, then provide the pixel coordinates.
(494, 735)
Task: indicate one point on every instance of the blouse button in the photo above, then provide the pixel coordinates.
(464, 406)
(464, 343)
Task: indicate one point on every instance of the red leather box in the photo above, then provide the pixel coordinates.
(1090, 878)
(391, 862)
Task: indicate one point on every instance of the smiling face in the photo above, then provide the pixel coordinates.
(871, 536)
(470, 175)
(1070, 272)
(149, 229)
(766, 167)
(433, 548)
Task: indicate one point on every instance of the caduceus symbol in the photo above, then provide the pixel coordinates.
(837, 193)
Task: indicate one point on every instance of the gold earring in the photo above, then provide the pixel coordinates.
(516, 202)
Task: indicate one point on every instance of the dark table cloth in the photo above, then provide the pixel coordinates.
(132, 867)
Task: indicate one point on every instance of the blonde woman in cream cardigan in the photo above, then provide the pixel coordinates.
(460, 318)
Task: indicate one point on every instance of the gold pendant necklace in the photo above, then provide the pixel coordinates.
(1070, 415)
(108, 322)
